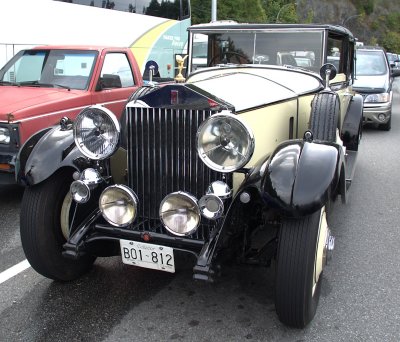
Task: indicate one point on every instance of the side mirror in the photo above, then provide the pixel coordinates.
(395, 72)
(108, 81)
(327, 72)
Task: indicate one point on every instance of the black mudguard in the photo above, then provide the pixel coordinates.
(296, 180)
(352, 124)
(299, 177)
(43, 154)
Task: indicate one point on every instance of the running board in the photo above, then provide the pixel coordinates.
(351, 158)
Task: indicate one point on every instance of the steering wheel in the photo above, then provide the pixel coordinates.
(228, 55)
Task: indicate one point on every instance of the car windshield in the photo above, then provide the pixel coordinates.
(304, 49)
(370, 63)
(391, 57)
(69, 69)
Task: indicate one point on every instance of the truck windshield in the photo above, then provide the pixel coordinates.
(70, 69)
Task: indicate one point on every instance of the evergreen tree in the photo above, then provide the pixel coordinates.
(153, 8)
(282, 11)
(242, 11)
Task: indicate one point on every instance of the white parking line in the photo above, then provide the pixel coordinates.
(13, 271)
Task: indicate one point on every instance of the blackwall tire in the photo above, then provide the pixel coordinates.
(300, 260)
(325, 111)
(41, 234)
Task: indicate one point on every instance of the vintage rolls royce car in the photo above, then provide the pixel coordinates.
(242, 161)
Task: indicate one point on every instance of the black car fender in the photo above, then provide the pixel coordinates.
(352, 124)
(298, 178)
(44, 153)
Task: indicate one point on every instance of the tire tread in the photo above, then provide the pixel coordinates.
(295, 261)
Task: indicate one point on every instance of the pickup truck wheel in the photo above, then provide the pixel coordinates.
(301, 257)
(324, 116)
(45, 211)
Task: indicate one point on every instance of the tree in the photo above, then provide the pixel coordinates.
(280, 10)
(153, 8)
(366, 6)
(243, 11)
(201, 11)
(110, 4)
(391, 42)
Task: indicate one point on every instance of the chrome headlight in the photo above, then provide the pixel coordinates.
(211, 206)
(84, 182)
(4, 135)
(118, 204)
(225, 143)
(80, 191)
(96, 132)
(384, 97)
(180, 213)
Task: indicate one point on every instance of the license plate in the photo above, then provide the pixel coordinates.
(147, 255)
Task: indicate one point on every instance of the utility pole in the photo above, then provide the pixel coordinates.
(213, 10)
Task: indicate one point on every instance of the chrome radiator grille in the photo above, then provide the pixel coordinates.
(162, 156)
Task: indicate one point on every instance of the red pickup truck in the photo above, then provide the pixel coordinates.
(40, 86)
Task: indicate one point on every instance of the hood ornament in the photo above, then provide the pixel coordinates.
(180, 61)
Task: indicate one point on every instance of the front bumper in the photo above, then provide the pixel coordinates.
(8, 154)
(378, 113)
(95, 230)
(7, 168)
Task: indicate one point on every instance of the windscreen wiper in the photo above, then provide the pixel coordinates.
(8, 83)
(39, 84)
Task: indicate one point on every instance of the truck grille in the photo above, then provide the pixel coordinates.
(162, 156)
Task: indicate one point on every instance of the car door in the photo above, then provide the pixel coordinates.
(115, 83)
(338, 54)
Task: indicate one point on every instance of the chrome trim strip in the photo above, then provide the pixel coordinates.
(65, 111)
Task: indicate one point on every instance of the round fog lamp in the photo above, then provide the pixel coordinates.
(220, 189)
(91, 177)
(80, 191)
(382, 117)
(118, 204)
(224, 142)
(180, 213)
(211, 206)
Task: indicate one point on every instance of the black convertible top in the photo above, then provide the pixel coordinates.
(219, 26)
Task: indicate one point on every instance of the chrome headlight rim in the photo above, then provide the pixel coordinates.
(132, 198)
(80, 141)
(249, 137)
(193, 200)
